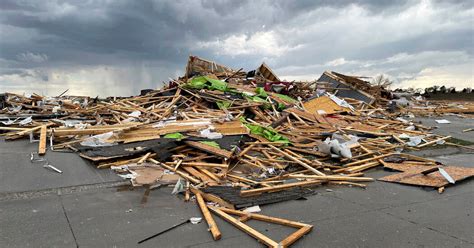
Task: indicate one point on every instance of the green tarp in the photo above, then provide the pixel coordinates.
(177, 136)
(211, 143)
(208, 83)
(267, 133)
(223, 104)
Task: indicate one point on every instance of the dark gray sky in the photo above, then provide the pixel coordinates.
(118, 47)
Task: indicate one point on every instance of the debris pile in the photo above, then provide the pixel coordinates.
(236, 139)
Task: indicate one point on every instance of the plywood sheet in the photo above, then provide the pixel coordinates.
(434, 179)
(151, 175)
(323, 105)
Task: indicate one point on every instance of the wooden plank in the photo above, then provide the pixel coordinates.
(265, 218)
(368, 159)
(295, 236)
(247, 229)
(144, 158)
(252, 192)
(213, 198)
(182, 174)
(298, 161)
(42, 141)
(433, 142)
(198, 174)
(334, 178)
(203, 164)
(302, 228)
(216, 234)
(415, 176)
(209, 149)
(323, 105)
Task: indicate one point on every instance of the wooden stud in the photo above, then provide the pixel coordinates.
(42, 141)
(216, 234)
(298, 161)
(251, 192)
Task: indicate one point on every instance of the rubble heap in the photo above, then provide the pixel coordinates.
(237, 139)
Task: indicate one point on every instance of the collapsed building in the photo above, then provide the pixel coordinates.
(232, 140)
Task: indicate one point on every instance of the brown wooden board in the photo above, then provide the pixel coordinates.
(434, 179)
(323, 105)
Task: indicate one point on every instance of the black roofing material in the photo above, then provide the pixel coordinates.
(232, 195)
(345, 90)
(159, 146)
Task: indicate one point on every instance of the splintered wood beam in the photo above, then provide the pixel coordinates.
(42, 141)
(295, 236)
(203, 164)
(334, 178)
(144, 158)
(252, 192)
(433, 142)
(368, 159)
(213, 198)
(244, 216)
(19, 134)
(298, 161)
(247, 229)
(216, 234)
(265, 218)
(182, 174)
(209, 149)
(242, 153)
(363, 167)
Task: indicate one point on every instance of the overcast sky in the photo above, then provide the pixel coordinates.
(118, 47)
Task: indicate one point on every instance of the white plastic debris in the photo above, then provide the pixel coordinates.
(195, 220)
(335, 148)
(56, 109)
(404, 136)
(414, 140)
(401, 119)
(410, 128)
(179, 187)
(340, 149)
(135, 114)
(340, 101)
(208, 133)
(15, 109)
(271, 170)
(79, 125)
(320, 92)
(131, 175)
(418, 98)
(253, 209)
(51, 167)
(9, 122)
(85, 103)
(443, 121)
(130, 119)
(401, 102)
(446, 176)
(26, 121)
(99, 140)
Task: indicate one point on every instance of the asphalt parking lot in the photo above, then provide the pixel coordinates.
(86, 207)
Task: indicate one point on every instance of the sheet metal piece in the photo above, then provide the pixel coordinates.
(446, 175)
(48, 166)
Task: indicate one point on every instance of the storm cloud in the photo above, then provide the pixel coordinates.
(101, 47)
